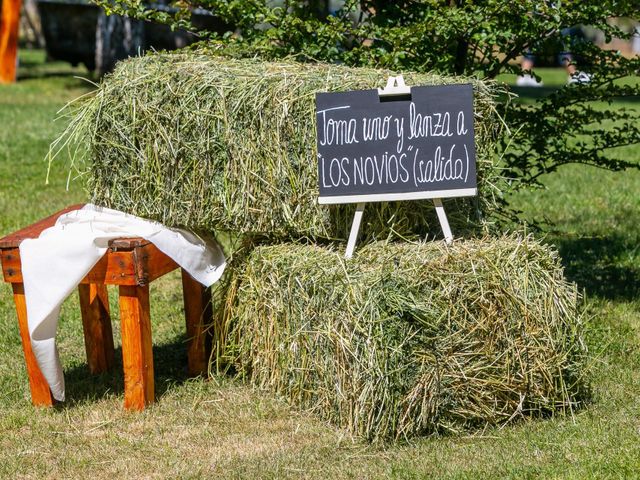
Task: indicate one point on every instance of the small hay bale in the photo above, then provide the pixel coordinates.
(209, 143)
(412, 339)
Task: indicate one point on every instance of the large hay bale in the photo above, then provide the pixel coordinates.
(409, 339)
(218, 144)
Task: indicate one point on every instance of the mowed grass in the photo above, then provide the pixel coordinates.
(224, 429)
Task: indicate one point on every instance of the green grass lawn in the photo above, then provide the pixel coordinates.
(221, 428)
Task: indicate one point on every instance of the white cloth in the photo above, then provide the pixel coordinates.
(54, 264)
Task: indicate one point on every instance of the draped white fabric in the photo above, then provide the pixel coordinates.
(54, 264)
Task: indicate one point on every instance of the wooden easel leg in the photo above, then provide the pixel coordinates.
(96, 323)
(9, 23)
(198, 315)
(137, 353)
(40, 393)
(355, 229)
(444, 222)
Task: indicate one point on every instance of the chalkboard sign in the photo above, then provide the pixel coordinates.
(373, 148)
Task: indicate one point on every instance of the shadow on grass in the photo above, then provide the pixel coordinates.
(597, 265)
(536, 93)
(170, 368)
(47, 74)
(533, 93)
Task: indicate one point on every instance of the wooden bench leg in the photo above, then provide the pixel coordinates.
(137, 353)
(40, 393)
(198, 316)
(96, 324)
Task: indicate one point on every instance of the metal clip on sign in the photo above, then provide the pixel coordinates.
(395, 87)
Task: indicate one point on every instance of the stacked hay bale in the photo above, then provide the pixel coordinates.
(215, 144)
(410, 339)
(403, 339)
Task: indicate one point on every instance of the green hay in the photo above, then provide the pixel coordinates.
(411, 339)
(208, 143)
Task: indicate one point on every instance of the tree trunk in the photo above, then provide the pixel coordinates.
(462, 46)
(116, 39)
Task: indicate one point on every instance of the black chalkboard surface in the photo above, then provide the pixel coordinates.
(373, 148)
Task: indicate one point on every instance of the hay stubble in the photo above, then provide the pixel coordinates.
(410, 339)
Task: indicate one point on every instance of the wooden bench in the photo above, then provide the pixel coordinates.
(131, 264)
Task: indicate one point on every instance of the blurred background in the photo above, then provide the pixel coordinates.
(79, 32)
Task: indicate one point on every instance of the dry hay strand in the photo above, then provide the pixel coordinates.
(214, 144)
(411, 339)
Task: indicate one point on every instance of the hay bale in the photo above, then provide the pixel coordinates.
(203, 142)
(412, 339)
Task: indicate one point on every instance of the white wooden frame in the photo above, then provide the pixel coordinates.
(390, 197)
